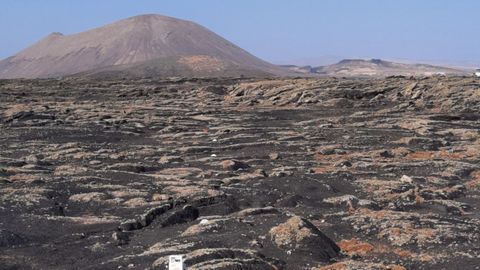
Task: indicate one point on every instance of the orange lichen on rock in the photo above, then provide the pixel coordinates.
(429, 155)
(475, 182)
(399, 232)
(355, 265)
(355, 247)
(291, 232)
(448, 155)
(335, 266)
(408, 254)
(422, 155)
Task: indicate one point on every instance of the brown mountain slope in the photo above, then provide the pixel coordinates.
(130, 42)
(184, 66)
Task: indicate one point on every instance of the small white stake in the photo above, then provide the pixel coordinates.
(175, 262)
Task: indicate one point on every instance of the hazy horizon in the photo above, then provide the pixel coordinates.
(304, 32)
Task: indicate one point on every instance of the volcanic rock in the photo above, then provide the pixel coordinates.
(300, 236)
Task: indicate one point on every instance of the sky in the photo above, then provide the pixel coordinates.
(280, 31)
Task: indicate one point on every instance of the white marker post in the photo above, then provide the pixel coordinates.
(175, 262)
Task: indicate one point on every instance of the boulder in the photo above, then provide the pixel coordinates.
(186, 214)
(234, 165)
(299, 236)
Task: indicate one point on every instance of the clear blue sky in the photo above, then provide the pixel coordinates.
(280, 31)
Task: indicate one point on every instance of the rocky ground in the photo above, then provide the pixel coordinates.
(317, 174)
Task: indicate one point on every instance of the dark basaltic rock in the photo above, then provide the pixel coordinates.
(130, 225)
(386, 154)
(186, 214)
(234, 165)
(5, 181)
(10, 239)
(145, 219)
(128, 167)
(121, 238)
(148, 217)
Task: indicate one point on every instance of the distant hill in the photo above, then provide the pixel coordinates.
(147, 45)
(374, 67)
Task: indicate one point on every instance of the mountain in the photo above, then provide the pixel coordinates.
(147, 45)
(375, 67)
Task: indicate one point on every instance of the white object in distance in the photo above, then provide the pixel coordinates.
(175, 262)
(477, 72)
